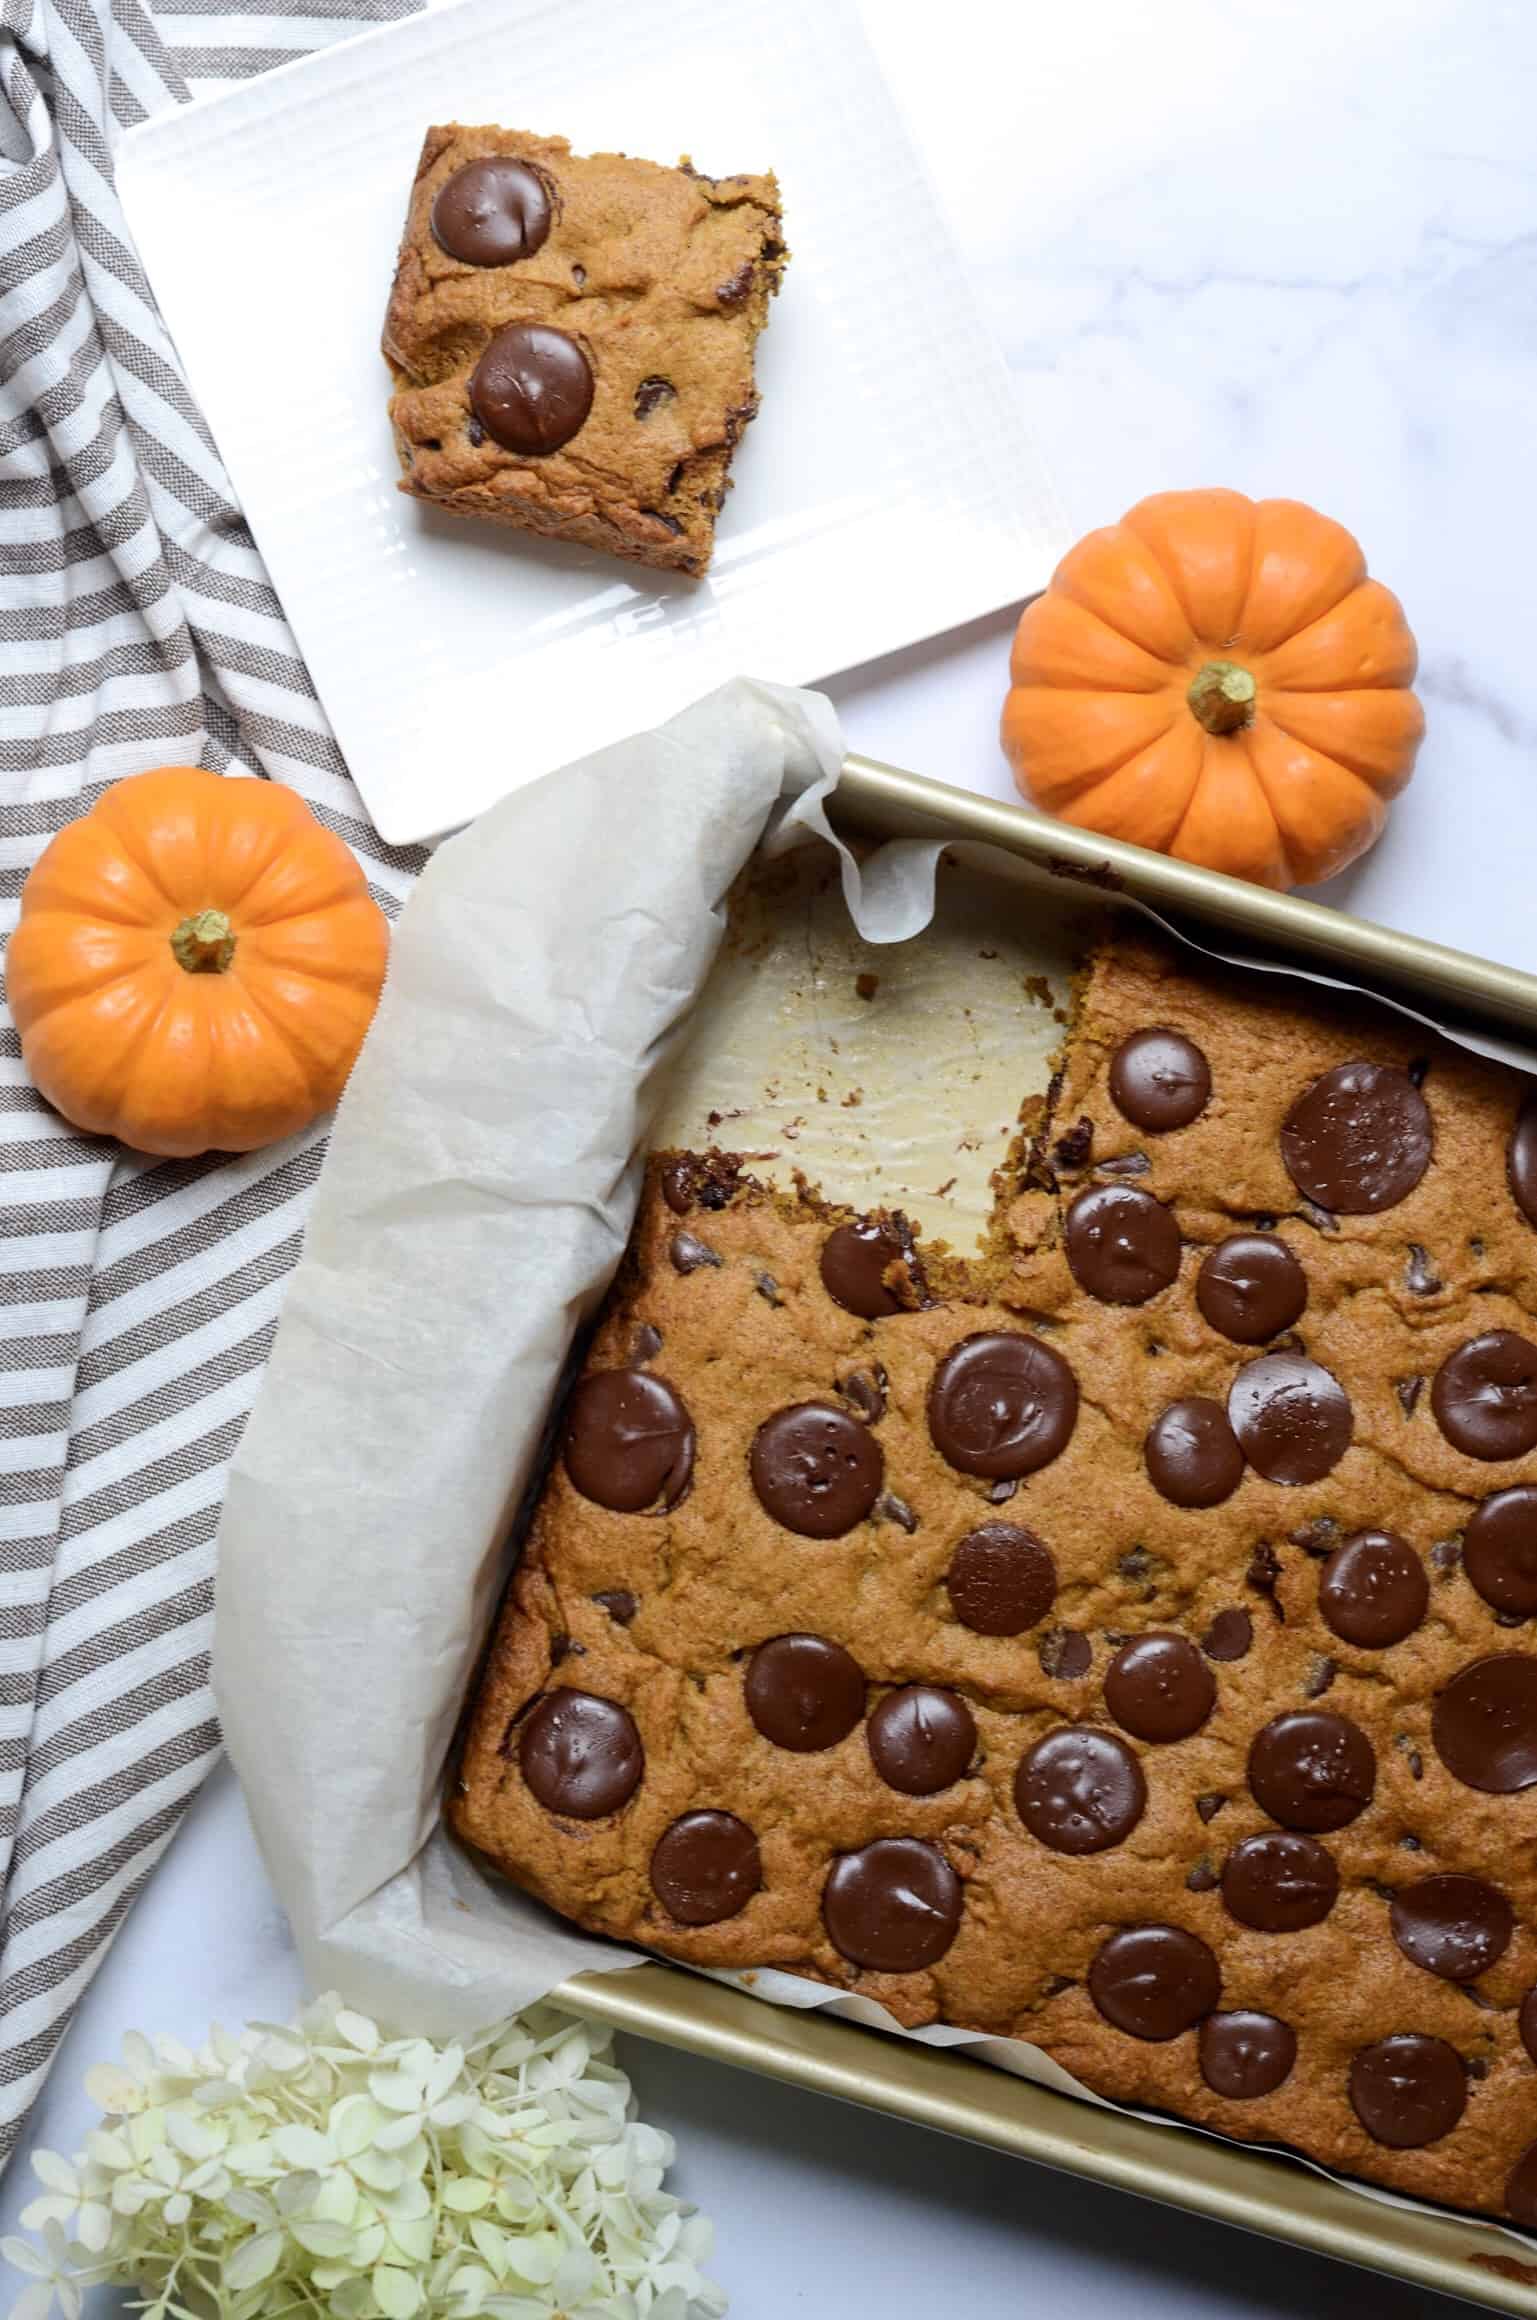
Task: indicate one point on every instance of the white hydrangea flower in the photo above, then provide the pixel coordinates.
(321, 2168)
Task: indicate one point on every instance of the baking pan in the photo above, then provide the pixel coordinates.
(1253, 2188)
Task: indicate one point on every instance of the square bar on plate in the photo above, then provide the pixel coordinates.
(571, 338)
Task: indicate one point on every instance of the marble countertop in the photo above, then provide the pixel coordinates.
(1288, 246)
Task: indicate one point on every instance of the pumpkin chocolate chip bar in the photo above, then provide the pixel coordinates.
(571, 338)
(1123, 1642)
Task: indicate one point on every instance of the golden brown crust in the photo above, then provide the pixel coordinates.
(661, 274)
(716, 1576)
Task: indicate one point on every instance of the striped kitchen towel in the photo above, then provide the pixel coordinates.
(137, 627)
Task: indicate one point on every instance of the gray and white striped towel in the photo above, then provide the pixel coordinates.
(137, 627)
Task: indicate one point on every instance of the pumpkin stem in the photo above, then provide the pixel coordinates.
(205, 944)
(1221, 696)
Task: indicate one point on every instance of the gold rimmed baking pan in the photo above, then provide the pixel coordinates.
(1255, 2189)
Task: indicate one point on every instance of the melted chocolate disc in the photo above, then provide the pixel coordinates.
(1484, 1724)
(922, 1738)
(1080, 1790)
(492, 212)
(705, 1868)
(1001, 1580)
(1251, 1287)
(1408, 2091)
(1122, 1245)
(581, 1755)
(1485, 1396)
(1312, 1770)
(1279, 1881)
(816, 1470)
(1159, 1080)
(894, 1906)
(804, 1692)
(1499, 1550)
(1456, 1927)
(629, 1441)
(1374, 1590)
(1293, 1419)
(1154, 1981)
(1159, 1688)
(1192, 1453)
(1244, 2055)
(532, 389)
(1002, 1405)
(1359, 1139)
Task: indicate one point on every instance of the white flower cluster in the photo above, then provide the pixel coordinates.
(322, 2169)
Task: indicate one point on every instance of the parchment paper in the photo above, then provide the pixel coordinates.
(477, 1195)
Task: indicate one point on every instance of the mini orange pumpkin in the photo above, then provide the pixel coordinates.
(196, 964)
(1216, 677)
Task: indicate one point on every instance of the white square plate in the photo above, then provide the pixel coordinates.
(885, 492)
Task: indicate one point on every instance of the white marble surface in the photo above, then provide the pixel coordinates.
(1281, 244)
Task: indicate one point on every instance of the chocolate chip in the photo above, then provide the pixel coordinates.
(1229, 1636)
(1065, 1653)
(870, 1268)
(619, 1603)
(1409, 1390)
(1417, 1071)
(1410, 1843)
(1446, 1554)
(1420, 1275)
(687, 1254)
(999, 1493)
(474, 430)
(733, 291)
(561, 1646)
(1319, 1537)
(1209, 1805)
(1135, 1563)
(651, 394)
(1073, 1147)
(1264, 1571)
(1410, 1754)
(768, 1288)
(579, 276)
(866, 1392)
(645, 1344)
(1321, 1674)
(1124, 1164)
(890, 1508)
(1202, 1878)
